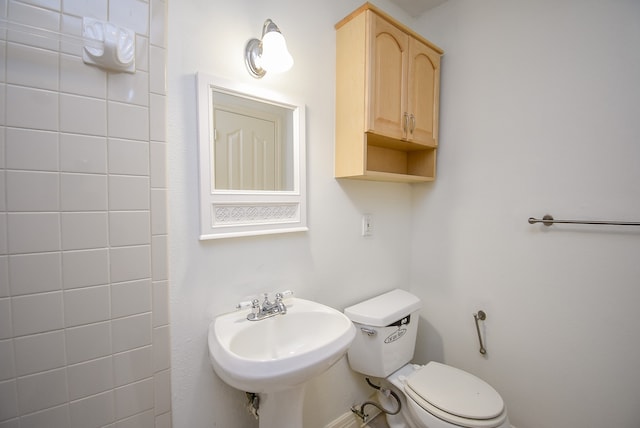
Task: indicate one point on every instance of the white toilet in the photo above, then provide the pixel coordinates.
(434, 395)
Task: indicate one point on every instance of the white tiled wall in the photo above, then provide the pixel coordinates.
(84, 337)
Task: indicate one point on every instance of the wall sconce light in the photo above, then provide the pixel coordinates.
(268, 54)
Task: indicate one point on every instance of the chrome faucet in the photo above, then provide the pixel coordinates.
(267, 309)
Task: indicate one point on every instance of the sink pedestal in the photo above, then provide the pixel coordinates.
(281, 408)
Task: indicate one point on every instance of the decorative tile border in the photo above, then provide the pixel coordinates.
(228, 214)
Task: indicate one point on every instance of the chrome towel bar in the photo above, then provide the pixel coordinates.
(548, 220)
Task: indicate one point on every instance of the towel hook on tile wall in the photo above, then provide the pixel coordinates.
(105, 45)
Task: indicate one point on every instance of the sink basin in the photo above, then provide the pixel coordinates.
(281, 352)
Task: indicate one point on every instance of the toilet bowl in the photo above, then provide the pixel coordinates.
(432, 396)
(440, 396)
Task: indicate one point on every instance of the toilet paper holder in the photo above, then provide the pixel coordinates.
(480, 316)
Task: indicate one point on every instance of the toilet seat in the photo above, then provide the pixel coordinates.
(455, 396)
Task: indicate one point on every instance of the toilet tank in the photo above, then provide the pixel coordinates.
(386, 330)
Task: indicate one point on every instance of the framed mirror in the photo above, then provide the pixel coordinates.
(251, 160)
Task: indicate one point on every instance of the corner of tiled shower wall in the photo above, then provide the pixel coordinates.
(84, 322)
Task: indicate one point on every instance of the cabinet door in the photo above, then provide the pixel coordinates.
(423, 82)
(387, 73)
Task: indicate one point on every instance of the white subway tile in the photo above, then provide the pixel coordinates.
(4, 277)
(84, 230)
(10, 423)
(158, 34)
(83, 192)
(130, 298)
(159, 258)
(42, 390)
(162, 388)
(34, 67)
(128, 157)
(83, 115)
(54, 417)
(33, 232)
(4, 238)
(130, 263)
(88, 342)
(129, 228)
(94, 8)
(37, 17)
(3, 99)
(163, 420)
(85, 268)
(161, 349)
(32, 191)
(158, 165)
(131, 332)
(7, 362)
(159, 212)
(132, 366)
(128, 121)
(32, 108)
(83, 153)
(131, 14)
(39, 352)
(71, 25)
(89, 378)
(35, 273)
(160, 303)
(157, 70)
(93, 412)
(2, 139)
(86, 305)
(37, 313)
(134, 398)
(3, 52)
(141, 420)
(142, 52)
(129, 88)
(31, 149)
(128, 193)
(157, 115)
(47, 4)
(6, 325)
(3, 193)
(8, 400)
(78, 78)
(3, 188)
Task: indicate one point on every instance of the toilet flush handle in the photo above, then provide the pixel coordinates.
(480, 316)
(368, 331)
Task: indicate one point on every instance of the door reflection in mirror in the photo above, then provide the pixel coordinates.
(253, 149)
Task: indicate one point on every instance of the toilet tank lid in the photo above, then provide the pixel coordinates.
(385, 309)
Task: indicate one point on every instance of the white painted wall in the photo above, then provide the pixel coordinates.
(540, 109)
(539, 114)
(331, 263)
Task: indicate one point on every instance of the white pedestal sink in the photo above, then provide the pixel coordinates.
(276, 356)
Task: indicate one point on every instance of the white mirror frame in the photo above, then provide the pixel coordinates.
(235, 213)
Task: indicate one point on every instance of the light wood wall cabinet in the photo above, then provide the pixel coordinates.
(387, 99)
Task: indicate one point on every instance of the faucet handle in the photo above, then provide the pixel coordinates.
(265, 300)
(243, 305)
(248, 304)
(284, 294)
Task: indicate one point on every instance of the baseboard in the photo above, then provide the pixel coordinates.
(347, 420)
(350, 420)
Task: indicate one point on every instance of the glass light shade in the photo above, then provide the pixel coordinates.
(275, 55)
